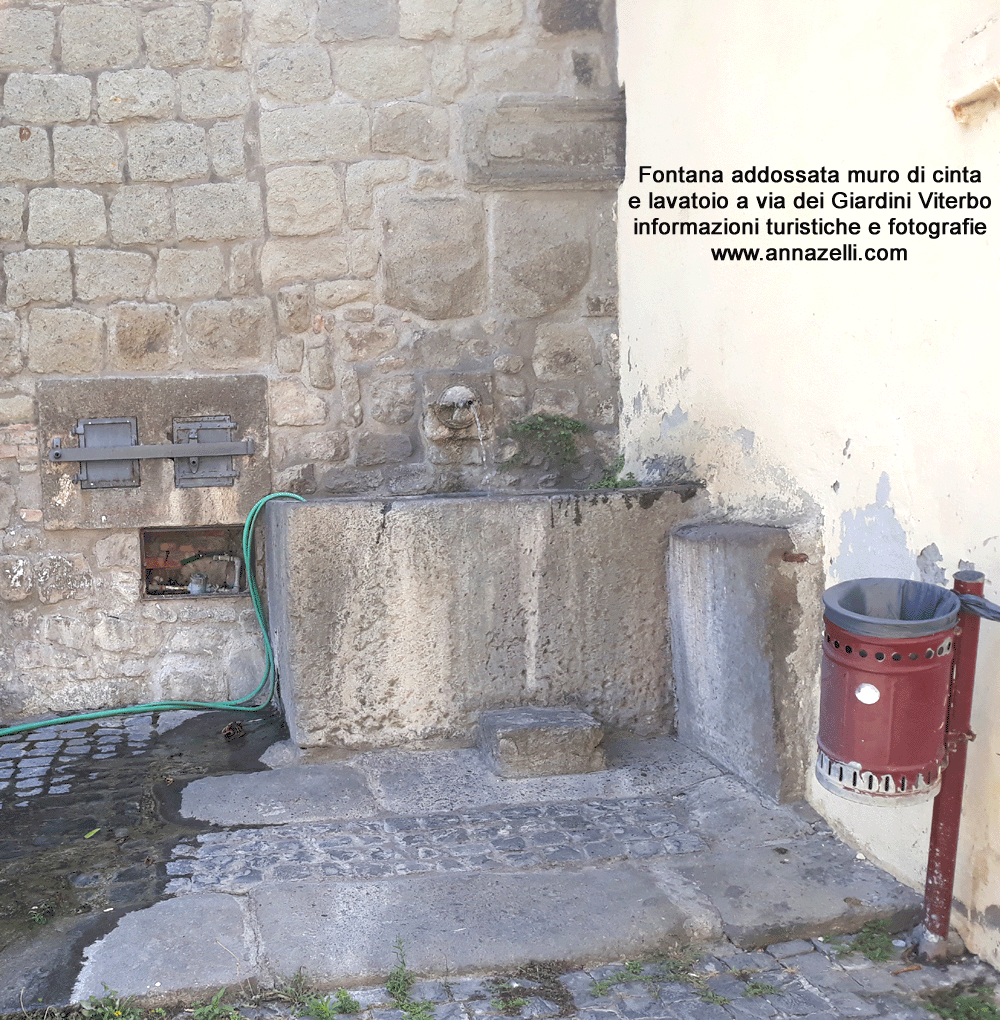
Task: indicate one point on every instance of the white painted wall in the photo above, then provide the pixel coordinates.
(857, 401)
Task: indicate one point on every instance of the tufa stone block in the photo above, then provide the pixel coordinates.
(295, 309)
(64, 340)
(167, 151)
(347, 19)
(427, 19)
(68, 216)
(143, 337)
(102, 274)
(143, 92)
(26, 39)
(293, 404)
(279, 21)
(524, 742)
(189, 273)
(207, 94)
(141, 214)
(225, 38)
(303, 200)
(11, 214)
(360, 184)
(562, 350)
(226, 145)
(175, 36)
(294, 74)
(314, 134)
(231, 334)
(11, 353)
(88, 155)
(411, 129)
(379, 71)
(42, 275)
(481, 19)
(448, 72)
(374, 449)
(46, 98)
(206, 212)
(284, 260)
(434, 252)
(541, 253)
(24, 154)
(393, 400)
(95, 36)
(321, 375)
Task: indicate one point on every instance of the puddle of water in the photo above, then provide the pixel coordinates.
(89, 813)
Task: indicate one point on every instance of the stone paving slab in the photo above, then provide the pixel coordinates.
(813, 885)
(423, 782)
(346, 932)
(174, 948)
(296, 793)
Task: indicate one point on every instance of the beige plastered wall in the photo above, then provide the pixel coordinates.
(854, 402)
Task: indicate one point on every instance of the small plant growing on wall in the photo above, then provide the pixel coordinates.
(552, 435)
(612, 477)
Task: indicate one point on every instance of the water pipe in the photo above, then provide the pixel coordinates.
(236, 705)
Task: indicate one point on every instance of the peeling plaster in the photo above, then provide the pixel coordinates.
(746, 439)
(872, 541)
(927, 564)
(672, 420)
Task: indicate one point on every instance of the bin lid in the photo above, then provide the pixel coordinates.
(888, 607)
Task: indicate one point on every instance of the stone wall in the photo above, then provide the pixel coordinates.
(368, 204)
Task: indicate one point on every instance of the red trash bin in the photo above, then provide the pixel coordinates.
(887, 666)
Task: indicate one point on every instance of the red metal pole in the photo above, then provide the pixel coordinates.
(948, 803)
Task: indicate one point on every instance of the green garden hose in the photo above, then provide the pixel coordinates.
(238, 705)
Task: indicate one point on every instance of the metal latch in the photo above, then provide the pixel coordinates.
(109, 452)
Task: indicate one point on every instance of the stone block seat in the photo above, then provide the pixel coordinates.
(523, 742)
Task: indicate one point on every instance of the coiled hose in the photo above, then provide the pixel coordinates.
(268, 680)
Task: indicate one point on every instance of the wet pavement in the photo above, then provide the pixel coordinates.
(154, 855)
(89, 809)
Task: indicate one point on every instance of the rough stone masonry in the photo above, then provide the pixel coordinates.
(363, 203)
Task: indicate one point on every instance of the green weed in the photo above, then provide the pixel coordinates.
(344, 1002)
(874, 941)
(306, 1002)
(111, 1006)
(398, 985)
(214, 1010)
(552, 434)
(964, 1002)
(675, 967)
(40, 914)
(506, 998)
(611, 477)
(756, 988)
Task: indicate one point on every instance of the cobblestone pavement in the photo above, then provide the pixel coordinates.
(507, 838)
(808, 979)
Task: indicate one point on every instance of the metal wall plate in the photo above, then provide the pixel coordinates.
(108, 432)
(193, 471)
